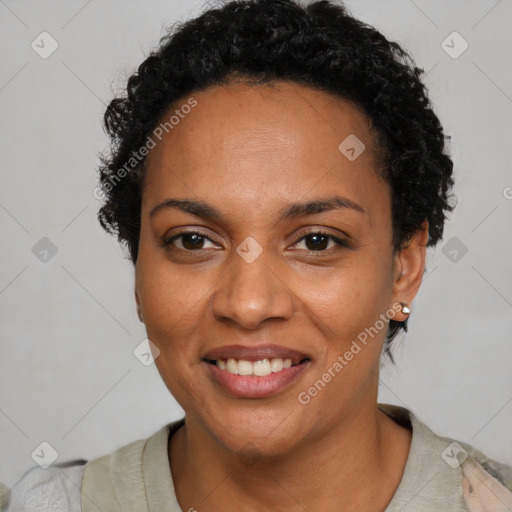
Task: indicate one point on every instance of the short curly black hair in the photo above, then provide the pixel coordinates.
(318, 45)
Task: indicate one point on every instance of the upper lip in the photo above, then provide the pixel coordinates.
(255, 353)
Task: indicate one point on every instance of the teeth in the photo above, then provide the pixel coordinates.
(276, 365)
(260, 368)
(244, 367)
(231, 366)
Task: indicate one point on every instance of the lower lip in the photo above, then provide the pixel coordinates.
(250, 386)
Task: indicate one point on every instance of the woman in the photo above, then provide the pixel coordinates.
(277, 173)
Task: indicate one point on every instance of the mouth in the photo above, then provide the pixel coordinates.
(260, 368)
(255, 372)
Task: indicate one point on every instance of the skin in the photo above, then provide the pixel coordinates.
(250, 151)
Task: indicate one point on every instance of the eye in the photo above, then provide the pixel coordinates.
(317, 241)
(190, 241)
(320, 241)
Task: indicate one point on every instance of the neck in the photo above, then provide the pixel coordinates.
(358, 464)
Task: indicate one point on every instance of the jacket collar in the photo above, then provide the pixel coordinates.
(429, 482)
(137, 477)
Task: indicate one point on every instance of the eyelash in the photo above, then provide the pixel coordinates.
(168, 243)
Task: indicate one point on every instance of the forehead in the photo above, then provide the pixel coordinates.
(263, 143)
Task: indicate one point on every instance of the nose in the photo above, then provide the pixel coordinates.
(251, 292)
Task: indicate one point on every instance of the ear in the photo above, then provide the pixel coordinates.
(137, 302)
(409, 265)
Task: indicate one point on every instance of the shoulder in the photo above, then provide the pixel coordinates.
(446, 451)
(447, 473)
(133, 476)
(486, 483)
(476, 467)
(57, 488)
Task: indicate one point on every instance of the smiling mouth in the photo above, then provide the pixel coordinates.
(259, 368)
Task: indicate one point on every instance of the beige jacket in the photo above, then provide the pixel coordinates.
(441, 475)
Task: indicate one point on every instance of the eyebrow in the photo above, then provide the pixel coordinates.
(294, 210)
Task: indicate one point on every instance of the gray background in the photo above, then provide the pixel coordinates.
(69, 325)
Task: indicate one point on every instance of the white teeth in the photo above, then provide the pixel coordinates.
(276, 365)
(244, 367)
(259, 368)
(231, 366)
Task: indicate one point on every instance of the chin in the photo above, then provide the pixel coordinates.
(258, 432)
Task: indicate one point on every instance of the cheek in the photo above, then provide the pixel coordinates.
(170, 320)
(171, 304)
(351, 298)
(348, 309)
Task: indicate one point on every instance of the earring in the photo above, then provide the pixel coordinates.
(406, 310)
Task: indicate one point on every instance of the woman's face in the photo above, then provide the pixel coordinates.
(257, 281)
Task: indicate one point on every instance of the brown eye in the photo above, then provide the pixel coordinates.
(317, 242)
(320, 242)
(190, 241)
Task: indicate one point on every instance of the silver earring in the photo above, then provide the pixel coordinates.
(406, 310)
